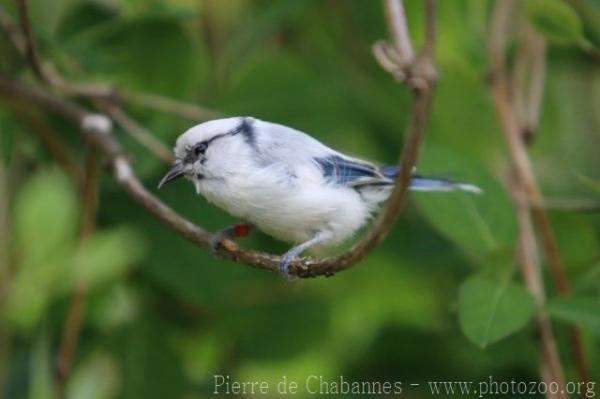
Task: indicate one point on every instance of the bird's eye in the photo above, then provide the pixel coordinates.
(200, 148)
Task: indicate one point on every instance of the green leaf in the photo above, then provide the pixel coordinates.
(557, 21)
(95, 378)
(248, 323)
(46, 15)
(45, 215)
(32, 289)
(581, 311)
(144, 350)
(482, 224)
(577, 238)
(106, 255)
(9, 126)
(45, 220)
(114, 307)
(491, 309)
(137, 59)
(589, 12)
(82, 17)
(591, 184)
(41, 386)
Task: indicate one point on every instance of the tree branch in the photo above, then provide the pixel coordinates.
(30, 44)
(582, 205)
(396, 18)
(169, 105)
(138, 132)
(526, 185)
(97, 129)
(430, 29)
(551, 369)
(76, 312)
(95, 91)
(51, 140)
(536, 85)
(12, 32)
(399, 60)
(512, 133)
(5, 273)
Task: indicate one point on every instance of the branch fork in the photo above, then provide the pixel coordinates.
(96, 128)
(398, 59)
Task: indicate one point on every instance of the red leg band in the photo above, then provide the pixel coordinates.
(241, 229)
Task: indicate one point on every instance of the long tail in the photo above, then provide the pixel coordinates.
(424, 183)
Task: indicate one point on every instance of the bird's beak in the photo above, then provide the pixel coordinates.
(173, 173)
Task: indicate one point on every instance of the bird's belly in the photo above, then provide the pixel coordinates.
(294, 215)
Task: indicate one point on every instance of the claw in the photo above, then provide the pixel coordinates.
(284, 265)
(218, 237)
(229, 233)
(289, 256)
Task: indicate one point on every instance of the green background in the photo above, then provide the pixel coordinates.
(163, 316)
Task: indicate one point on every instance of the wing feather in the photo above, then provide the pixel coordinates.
(351, 172)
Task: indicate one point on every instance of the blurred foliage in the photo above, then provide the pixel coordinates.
(582, 311)
(492, 308)
(557, 21)
(50, 263)
(163, 316)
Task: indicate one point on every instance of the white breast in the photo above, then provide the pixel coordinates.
(289, 208)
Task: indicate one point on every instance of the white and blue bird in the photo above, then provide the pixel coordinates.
(285, 182)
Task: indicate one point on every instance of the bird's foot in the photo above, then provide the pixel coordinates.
(289, 256)
(229, 233)
(284, 264)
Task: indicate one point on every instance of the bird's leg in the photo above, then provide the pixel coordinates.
(229, 233)
(289, 256)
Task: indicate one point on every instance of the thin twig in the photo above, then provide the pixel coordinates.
(51, 140)
(4, 232)
(169, 105)
(571, 205)
(108, 95)
(387, 58)
(430, 29)
(520, 70)
(97, 91)
(93, 91)
(5, 339)
(422, 72)
(399, 60)
(528, 78)
(96, 130)
(518, 153)
(550, 366)
(424, 69)
(76, 312)
(536, 84)
(30, 44)
(396, 18)
(16, 37)
(528, 260)
(138, 132)
(500, 88)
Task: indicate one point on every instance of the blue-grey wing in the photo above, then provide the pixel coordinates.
(353, 172)
(363, 175)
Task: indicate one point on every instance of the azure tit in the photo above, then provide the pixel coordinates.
(286, 183)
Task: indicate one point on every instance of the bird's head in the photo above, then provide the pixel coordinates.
(204, 150)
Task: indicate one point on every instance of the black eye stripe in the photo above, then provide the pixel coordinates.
(201, 147)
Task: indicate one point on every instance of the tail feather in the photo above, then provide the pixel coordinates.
(424, 183)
